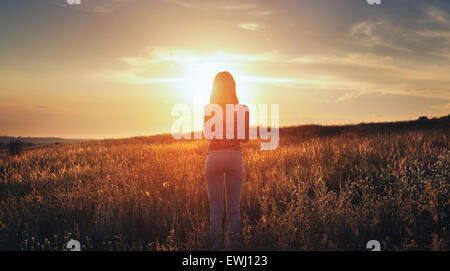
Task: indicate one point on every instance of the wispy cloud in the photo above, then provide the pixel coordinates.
(261, 14)
(158, 55)
(354, 74)
(181, 3)
(441, 106)
(214, 4)
(153, 67)
(383, 74)
(425, 33)
(252, 26)
(234, 5)
(348, 95)
(161, 64)
(360, 59)
(378, 33)
(96, 6)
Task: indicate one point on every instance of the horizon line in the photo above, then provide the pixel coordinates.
(193, 131)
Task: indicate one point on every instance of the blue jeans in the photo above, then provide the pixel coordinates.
(230, 164)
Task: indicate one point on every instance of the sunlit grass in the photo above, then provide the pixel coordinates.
(332, 193)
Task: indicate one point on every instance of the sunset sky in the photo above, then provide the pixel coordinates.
(116, 68)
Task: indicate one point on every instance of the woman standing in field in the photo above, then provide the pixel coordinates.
(224, 158)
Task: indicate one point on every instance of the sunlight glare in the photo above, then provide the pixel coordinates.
(195, 82)
(197, 76)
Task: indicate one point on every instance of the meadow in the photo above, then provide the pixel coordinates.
(324, 188)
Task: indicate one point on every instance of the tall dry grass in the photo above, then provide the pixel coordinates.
(329, 193)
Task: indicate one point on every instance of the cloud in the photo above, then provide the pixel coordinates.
(358, 59)
(436, 15)
(158, 55)
(367, 72)
(400, 51)
(261, 14)
(214, 4)
(349, 95)
(354, 74)
(95, 6)
(378, 33)
(441, 106)
(161, 65)
(184, 4)
(154, 67)
(252, 26)
(424, 32)
(235, 6)
(164, 65)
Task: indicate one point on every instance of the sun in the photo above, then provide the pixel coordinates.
(196, 78)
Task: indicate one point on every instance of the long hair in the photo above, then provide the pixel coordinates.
(224, 90)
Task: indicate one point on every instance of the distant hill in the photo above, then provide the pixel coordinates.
(422, 123)
(40, 140)
(301, 131)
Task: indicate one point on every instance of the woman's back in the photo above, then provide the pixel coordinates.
(234, 130)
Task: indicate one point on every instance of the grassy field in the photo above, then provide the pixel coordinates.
(324, 188)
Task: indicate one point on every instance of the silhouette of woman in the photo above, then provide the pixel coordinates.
(224, 158)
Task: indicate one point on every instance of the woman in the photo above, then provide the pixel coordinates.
(224, 158)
